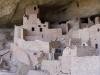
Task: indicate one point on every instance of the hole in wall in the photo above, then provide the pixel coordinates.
(34, 8)
(41, 29)
(84, 20)
(69, 26)
(98, 29)
(96, 46)
(39, 25)
(33, 29)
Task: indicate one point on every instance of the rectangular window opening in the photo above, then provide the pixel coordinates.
(41, 29)
(33, 29)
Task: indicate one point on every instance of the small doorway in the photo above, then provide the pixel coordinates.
(34, 8)
(33, 29)
(58, 52)
(69, 26)
(41, 29)
(96, 46)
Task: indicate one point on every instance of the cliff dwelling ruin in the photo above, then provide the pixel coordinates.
(51, 46)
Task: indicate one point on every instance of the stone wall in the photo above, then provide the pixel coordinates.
(89, 65)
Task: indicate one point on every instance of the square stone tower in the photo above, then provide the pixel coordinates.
(31, 22)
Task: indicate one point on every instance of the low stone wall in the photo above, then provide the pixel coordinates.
(89, 65)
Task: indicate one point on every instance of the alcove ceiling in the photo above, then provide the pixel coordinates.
(11, 11)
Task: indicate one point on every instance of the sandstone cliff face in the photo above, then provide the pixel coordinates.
(11, 11)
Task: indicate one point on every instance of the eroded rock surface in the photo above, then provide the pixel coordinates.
(11, 11)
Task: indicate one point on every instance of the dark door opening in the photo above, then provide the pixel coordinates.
(33, 29)
(84, 20)
(34, 8)
(96, 46)
(57, 53)
(83, 44)
(69, 26)
(41, 29)
(98, 29)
